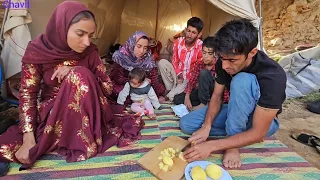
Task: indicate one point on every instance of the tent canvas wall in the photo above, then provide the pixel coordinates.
(161, 19)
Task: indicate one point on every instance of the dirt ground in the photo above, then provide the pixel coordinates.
(296, 118)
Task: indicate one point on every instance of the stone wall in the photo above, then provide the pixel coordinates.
(289, 23)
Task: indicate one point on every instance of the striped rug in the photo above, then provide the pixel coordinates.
(270, 160)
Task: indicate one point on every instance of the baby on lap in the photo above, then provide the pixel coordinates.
(142, 94)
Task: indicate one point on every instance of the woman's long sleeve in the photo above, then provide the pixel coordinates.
(155, 83)
(30, 86)
(118, 74)
(100, 71)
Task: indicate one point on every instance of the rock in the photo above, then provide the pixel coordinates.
(276, 42)
(288, 43)
(290, 23)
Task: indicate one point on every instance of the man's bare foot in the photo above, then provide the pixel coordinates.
(231, 158)
(152, 116)
(198, 107)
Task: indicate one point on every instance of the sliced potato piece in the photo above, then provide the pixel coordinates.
(181, 156)
(161, 165)
(167, 160)
(165, 168)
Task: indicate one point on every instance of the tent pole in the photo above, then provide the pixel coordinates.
(260, 26)
(157, 17)
(3, 21)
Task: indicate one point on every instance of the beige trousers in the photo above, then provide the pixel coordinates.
(169, 78)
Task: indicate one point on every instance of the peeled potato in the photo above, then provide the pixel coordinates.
(214, 171)
(197, 173)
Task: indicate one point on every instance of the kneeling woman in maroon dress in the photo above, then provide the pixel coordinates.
(64, 95)
(135, 54)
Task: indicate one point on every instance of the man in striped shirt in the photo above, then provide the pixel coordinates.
(187, 51)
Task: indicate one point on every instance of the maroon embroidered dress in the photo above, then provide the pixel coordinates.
(73, 118)
(120, 76)
(125, 60)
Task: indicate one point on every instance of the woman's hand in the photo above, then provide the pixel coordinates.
(61, 73)
(23, 153)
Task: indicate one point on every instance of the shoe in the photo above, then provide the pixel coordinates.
(314, 106)
(309, 140)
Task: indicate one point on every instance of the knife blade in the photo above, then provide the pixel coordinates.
(186, 147)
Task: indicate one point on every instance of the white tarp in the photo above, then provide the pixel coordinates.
(17, 35)
(303, 72)
(242, 8)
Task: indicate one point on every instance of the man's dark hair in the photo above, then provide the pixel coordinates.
(137, 73)
(208, 42)
(236, 37)
(196, 23)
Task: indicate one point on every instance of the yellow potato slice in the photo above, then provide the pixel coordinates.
(181, 156)
(165, 168)
(167, 160)
(161, 165)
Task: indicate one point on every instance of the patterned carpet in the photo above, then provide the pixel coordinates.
(270, 160)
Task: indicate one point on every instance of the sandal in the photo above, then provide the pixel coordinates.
(309, 140)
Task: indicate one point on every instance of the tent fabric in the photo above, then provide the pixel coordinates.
(302, 70)
(16, 35)
(172, 18)
(117, 20)
(242, 8)
(107, 13)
